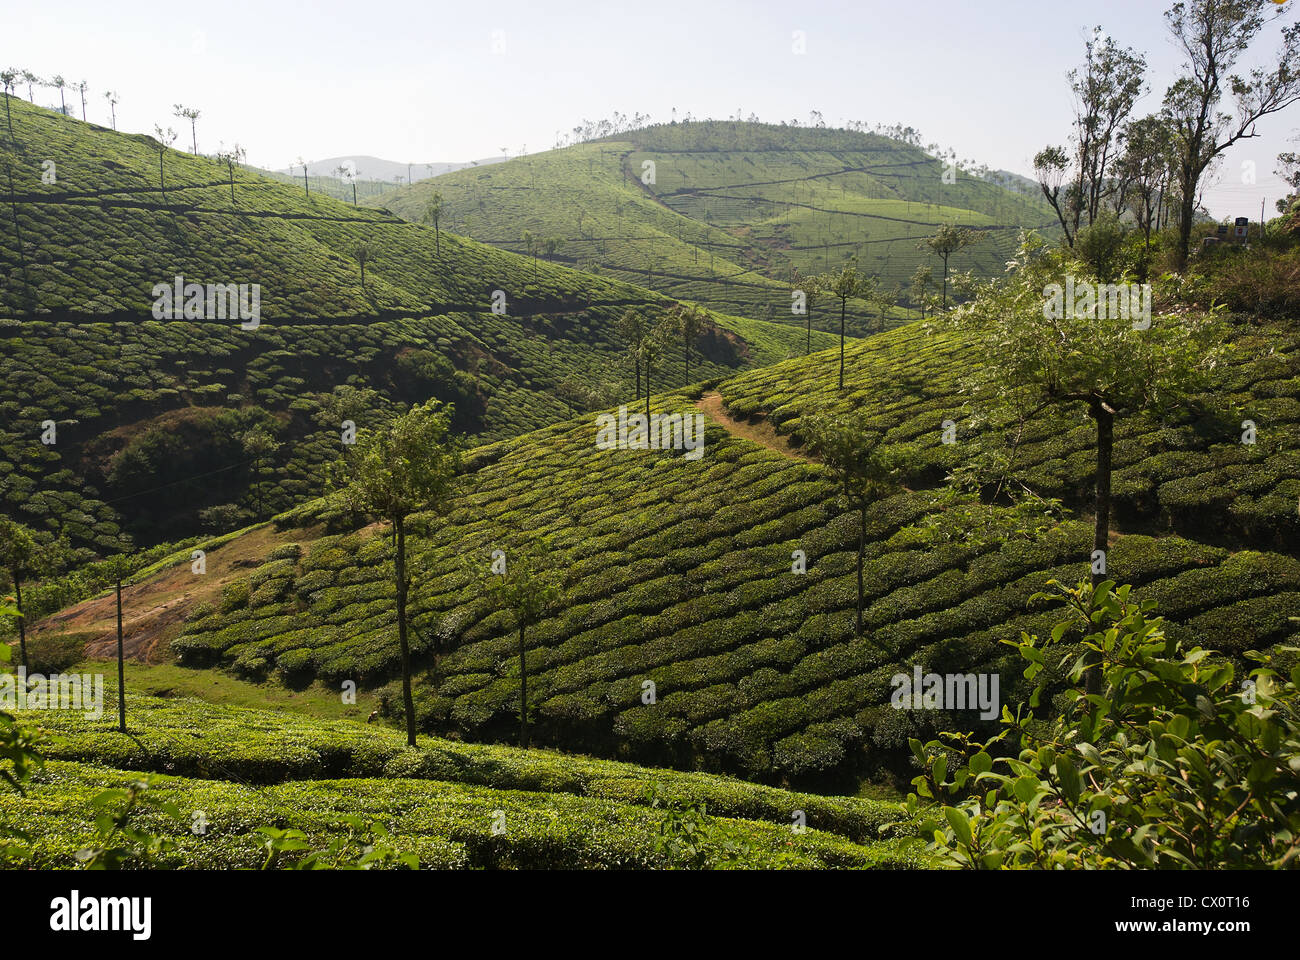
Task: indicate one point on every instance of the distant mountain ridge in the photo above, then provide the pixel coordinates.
(376, 168)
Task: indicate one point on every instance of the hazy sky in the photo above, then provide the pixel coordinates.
(426, 81)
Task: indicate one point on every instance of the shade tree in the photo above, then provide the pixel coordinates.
(1098, 357)
(407, 465)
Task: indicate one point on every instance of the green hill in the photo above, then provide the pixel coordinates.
(733, 209)
(451, 805)
(150, 415)
(679, 571)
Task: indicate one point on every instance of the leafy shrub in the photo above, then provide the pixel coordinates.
(1175, 764)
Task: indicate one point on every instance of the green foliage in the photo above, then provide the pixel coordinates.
(321, 785)
(150, 413)
(1174, 764)
(121, 841)
(406, 466)
(363, 845)
(733, 210)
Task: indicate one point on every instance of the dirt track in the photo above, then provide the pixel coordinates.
(758, 431)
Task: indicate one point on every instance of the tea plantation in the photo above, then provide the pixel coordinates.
(451, 805)
(149, 414)
(732, 209)
(679, 572)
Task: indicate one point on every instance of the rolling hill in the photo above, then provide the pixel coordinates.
(450, 805)
(731, 209)
(679, 571)
(150, 416)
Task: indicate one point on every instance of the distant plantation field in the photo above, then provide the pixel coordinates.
(679, 572)
(732, 210)
(513, 344)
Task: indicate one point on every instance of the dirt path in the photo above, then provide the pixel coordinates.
(154, 610)
(759, 431)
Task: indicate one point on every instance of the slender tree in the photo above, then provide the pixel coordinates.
(883, 301)
(182, 112)
(1038, 353)
(165, 139)
(32, 80)
(364, 253)
(409, 465)
(111, 97)
(231, 157)
(58, 81)
(1105, 87)
(864, 470)
(812, 291)
(20, 557)
(1145, 165)
(81, 88)
(653, 346)
(633, 327)
(526, 582)
(7, 77)
(1212, 35)
(689, 321)
(844, 286)
(949, 239)
(922, 281)
(259, 446)
(432, 214)
(118, 569)
(530, 247)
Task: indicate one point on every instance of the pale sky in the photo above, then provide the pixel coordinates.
(435, 81)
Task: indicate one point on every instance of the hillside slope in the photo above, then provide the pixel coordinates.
(451, 805)
(679, 571)
(733, 208)
(150, 415)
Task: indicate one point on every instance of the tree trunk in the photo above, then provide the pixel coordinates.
(121, 667)
(9, 118)
(638, 377)
(843, 307)
(162, 185)
(945, 281)
(647, 395)
(807, 347)
(22, 620)
(862, 549)
(1187, 211)
(1105, 419)
(523, 692)
(408, 702)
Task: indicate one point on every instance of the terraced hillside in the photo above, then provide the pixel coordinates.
(680, 572)
(733, 208)
(450, 805)
(150, 415)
